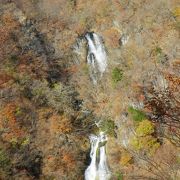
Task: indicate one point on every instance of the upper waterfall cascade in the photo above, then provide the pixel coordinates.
(96, 58)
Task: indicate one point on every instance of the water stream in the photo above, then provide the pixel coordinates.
(97, 61)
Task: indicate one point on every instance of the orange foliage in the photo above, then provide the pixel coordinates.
(174, 82)
(68, 160)
(9, 124)
(60, 124)
(72, 69)
(112, 37)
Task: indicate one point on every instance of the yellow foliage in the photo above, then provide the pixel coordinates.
(25, 142)
(145, 127)
(148, 144)
(176, 12)
(144, 141)
(125, 158)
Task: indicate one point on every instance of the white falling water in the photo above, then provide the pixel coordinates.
(97, 61)
(124, 39)
(96, 57)
(97, 169)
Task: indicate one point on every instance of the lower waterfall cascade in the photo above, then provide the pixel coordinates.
(98, 168)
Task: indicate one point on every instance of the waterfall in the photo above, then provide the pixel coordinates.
(103, 170)
(96, 58)
(98, 168)
(97, 61)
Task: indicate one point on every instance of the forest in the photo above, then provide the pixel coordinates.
(84, 79)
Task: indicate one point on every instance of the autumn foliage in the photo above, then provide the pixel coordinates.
(68, 160)
(6, 29)
(60, 124)
(9, 126)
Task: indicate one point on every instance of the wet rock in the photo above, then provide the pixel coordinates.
(123, 40)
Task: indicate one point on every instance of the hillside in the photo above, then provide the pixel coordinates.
(73, 68)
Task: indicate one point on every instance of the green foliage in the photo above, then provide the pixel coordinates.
(136, 114)
(102, 143)
(160, 55)
(119, 176)
(158, 50)
(117, 75)
(85, 69)
(19, 143)
(144, 128)
(107, 126)
(18, 111)
(25, 141)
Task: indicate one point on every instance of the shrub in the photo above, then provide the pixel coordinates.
(145, 128)
(107, 126)
(144, 141)
(117, 75)
(161, 57)
(18, 111)
(4, 161)
(119, 176)
(85, 69)
(176, 12)
(136, 114)
(13, 59)
(147, 144)
(158, 50)
(39, 91)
